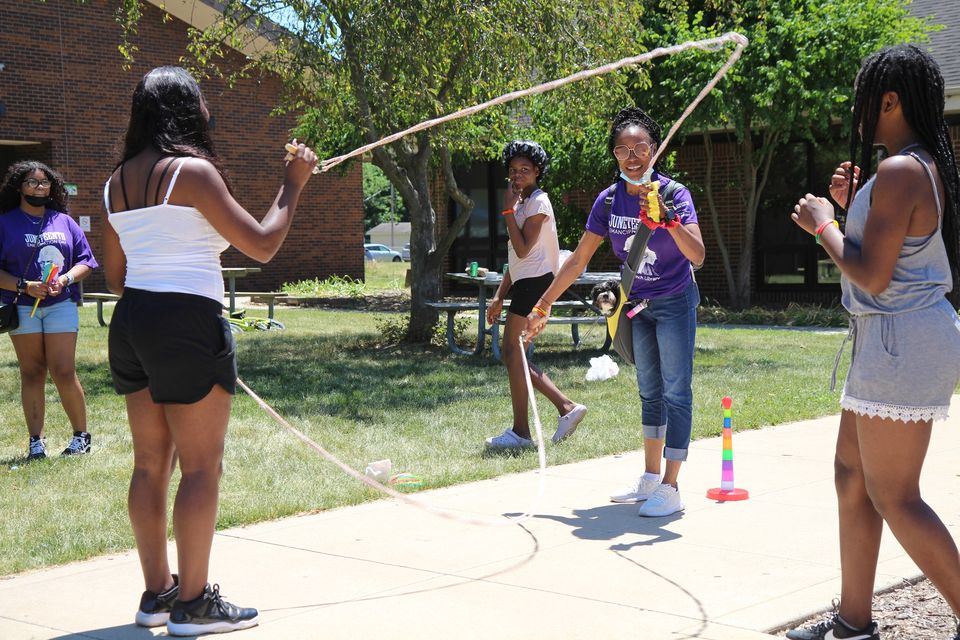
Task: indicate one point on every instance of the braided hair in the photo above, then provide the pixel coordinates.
(16, 174)
(531, 151)
(915, 77)
(630, 117)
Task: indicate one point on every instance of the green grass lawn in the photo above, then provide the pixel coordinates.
(426, 410)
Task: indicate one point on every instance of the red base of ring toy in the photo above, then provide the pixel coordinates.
(727, 495)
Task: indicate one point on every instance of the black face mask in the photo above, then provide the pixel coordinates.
(37, 201)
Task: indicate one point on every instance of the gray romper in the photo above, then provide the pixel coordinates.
(905, 363)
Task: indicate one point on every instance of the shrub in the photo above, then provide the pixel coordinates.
(393, 329)
(334, 286)
(794, 315)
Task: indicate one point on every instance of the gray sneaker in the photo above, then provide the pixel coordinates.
(38, 448)
(209, 613)
(155, 608)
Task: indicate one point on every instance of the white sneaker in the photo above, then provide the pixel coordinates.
(638, 492)
(664, 502)
(508, 440)
(567, 424)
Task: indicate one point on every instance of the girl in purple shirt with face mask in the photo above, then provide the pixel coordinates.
(664, 328)
(34, 231)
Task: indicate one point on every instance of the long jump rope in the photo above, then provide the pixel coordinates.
(711, 45)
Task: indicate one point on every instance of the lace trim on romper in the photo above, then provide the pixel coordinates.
(893, 411)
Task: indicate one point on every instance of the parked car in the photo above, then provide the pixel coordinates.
(405, 252)
(381, 252)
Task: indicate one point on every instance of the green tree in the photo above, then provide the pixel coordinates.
(793, 82)
(360, 70)
(380, 203)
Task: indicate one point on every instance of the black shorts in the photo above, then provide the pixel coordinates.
(176, 344)
(524, 293)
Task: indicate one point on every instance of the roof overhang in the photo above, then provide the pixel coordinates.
(953, 101)
(200, 14)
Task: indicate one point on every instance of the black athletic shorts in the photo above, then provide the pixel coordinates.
(176, 344)
(524, 293)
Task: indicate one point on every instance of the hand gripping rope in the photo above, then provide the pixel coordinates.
(711, 44)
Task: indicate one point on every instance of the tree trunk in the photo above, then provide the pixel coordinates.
(756, 170)
(715, 220)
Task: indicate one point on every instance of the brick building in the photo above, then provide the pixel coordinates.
(65, 100)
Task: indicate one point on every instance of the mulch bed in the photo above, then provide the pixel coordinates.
(914, 611)
(385, 302)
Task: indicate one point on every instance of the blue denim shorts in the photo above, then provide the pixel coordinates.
(62, 317)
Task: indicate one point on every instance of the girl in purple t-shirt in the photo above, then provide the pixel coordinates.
(34, 231)
(665, 328)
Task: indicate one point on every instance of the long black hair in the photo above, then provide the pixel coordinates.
(16, 174)
(168, 114)
(629, 117)
(915, 77)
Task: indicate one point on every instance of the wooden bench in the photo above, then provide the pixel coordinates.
(264, 297)
(452, 308)
(100, 298)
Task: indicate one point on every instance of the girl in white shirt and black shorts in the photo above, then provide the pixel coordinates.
(534, 255)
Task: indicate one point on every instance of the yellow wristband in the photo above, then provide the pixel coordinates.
(540, 312)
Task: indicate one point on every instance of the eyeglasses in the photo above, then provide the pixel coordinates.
(524, 171)
(33, 183)
(641, 150)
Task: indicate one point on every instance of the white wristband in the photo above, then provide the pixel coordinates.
(69, 278)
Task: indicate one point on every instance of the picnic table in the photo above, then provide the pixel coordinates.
(491, 281)
(230, 274)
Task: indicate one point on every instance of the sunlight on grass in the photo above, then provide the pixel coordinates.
(425, 409)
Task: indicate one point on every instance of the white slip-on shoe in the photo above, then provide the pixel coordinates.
(508, 440)
(567, 424)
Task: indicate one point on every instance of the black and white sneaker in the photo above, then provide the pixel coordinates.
(209, 613)
(834, 628)
(79, 444)
(155, 608)
(38, 448)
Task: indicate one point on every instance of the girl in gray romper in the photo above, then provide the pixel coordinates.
(898, 260)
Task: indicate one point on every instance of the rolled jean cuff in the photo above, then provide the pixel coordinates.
(675, 454)
(655, 432)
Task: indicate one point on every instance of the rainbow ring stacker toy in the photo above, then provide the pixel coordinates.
(726, 491)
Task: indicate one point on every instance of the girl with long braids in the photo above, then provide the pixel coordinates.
(534, 254)
(666, 294)
(898, 259)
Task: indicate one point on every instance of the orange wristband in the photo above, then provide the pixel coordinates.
(540, 312)
(823, 228)
(507, 212)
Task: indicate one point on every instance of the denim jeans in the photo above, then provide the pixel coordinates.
(663, 338)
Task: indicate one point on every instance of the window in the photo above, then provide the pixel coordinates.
(787, 256)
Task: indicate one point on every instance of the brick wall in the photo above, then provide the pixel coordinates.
(63, 86)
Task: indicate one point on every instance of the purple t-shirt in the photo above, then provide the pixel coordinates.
(664, 270)
(61, 241)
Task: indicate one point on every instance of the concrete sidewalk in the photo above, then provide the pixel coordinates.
(584, 568)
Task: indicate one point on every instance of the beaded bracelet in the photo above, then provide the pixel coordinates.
(823, 227)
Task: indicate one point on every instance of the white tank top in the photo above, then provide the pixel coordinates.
(169, 247)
